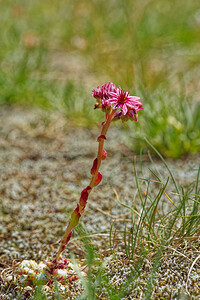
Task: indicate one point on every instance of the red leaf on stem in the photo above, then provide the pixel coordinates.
(94, 167)
(68, 238)
(84, 196)
(98, 179)
(101, 137)
(104, 154)
(75, 216)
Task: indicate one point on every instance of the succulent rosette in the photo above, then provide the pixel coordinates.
(30, 273)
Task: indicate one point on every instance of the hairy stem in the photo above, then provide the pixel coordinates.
(96, 178)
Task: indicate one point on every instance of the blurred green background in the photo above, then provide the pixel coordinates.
(53, 53)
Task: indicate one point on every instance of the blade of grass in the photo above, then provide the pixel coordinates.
(141, 217)
(163, 160)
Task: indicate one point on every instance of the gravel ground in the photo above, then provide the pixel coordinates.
(44, 165)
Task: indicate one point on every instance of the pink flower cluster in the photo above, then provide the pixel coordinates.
(109, 97)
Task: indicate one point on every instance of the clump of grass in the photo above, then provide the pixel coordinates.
(172, 122)
(149, 241)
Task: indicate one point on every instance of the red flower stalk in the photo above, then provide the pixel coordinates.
(117, 104)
